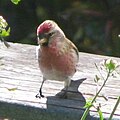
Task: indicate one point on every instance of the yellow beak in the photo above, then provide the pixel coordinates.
(43, 41)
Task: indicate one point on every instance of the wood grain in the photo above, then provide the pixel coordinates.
(20, 79)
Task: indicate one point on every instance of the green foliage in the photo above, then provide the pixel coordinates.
(109, 65)
(4, 31)
(15, 1)
(88, 103)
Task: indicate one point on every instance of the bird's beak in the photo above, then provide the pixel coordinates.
(42, 40)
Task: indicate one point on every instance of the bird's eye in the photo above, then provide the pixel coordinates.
(51, 34)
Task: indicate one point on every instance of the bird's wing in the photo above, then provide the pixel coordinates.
(72, 46)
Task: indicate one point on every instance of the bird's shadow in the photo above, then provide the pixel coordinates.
(73, 92)
(73, 104)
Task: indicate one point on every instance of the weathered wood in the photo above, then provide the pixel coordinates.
(20, 79)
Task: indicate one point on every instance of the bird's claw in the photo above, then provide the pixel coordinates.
(37, 96)
(40, 95)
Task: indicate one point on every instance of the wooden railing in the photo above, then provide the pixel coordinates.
(20, 79)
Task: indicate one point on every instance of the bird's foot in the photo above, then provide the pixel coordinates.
(39, 95)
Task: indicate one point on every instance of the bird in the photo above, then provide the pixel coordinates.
(57, 55)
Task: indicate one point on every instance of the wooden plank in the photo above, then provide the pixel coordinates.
(19, 71)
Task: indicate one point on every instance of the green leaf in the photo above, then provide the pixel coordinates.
(5, 33)
(8, 31)
(15, 1)
(96, 79)
(88, 104)
(110, 65)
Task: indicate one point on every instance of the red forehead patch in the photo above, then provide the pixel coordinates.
(45, 27)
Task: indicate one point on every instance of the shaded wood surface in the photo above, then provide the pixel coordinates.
(20, 79)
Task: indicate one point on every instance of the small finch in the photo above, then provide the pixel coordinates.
(57, 55)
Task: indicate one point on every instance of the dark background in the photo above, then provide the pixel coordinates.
(93, 25)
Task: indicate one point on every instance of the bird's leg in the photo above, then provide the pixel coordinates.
(66, 85)
(39, 95)
(64, 95)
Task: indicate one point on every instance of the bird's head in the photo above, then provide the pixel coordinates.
(47, 31)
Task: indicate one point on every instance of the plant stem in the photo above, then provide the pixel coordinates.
(115, 107)
(87, 109)
(5, 43)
